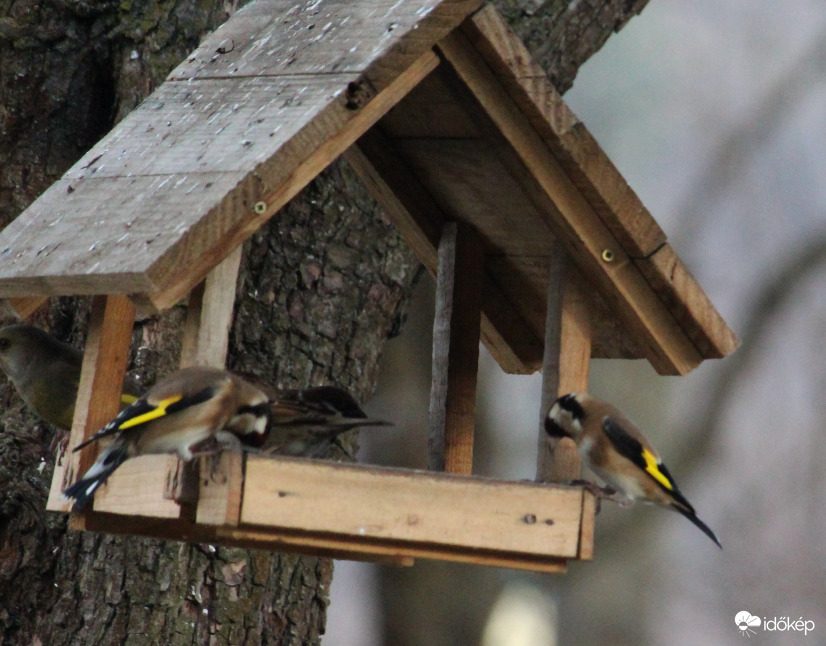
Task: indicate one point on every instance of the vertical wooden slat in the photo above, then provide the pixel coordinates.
(101, 377)
(99, 390)
(209, 315)
(456, 349)
(206, 339)
(567, 354)
(221, 489)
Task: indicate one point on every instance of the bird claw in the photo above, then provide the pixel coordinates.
(602, 493)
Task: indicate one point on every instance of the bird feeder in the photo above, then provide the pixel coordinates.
(539, 248)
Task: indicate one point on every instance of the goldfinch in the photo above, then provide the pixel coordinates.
(306, 422)
(194, 411)
(617, 451)
(46, 373)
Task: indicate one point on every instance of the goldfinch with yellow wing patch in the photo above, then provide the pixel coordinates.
(46, 372)
(194, 411)
(617, 451)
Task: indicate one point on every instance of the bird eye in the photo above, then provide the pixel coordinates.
(5, 344)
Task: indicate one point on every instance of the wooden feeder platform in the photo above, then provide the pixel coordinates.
(539, 247)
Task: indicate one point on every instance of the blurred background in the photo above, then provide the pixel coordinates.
(715, 112)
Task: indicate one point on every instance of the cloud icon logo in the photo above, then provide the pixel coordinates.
(746, 622)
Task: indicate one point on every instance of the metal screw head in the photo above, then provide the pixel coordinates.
(607, 255)
(260, 208)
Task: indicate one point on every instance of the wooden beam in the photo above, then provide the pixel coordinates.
(221, 489)
(589, 242)
(456, 329)
(567, 356)
(377, 514)
(209, 315)
(206, 339)
(283, 185)
(101, 380)
(443, 513)
(572, 144)
(419, 219)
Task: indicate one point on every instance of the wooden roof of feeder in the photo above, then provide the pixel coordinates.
(442, 112)
(491, 180)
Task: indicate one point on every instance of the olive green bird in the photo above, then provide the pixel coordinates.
(46, 373)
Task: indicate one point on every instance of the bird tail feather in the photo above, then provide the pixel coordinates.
(83, 490)
(689, 513)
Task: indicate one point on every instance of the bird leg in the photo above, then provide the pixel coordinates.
(602, 493)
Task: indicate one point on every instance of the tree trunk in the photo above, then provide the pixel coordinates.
(321, 287)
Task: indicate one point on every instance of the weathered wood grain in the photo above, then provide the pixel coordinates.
(572, 218)
(456, 330)
(376, 38)
(221, 489)
(209, 316)
(567, 360)
(173, 188)
(419, 218)
(682, 294)
(443, 511)
(101, 380)
(578, 153)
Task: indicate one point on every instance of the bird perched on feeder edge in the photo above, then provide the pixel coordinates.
(306, 422)
(617, 451)
(194, 411)
(46, 373)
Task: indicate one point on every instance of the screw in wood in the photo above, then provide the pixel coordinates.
(607, 255)
(260, 208)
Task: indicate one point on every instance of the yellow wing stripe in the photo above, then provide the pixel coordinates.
(653, 469)
(155, 413)
(128, 400)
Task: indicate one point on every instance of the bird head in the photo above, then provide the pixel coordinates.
(18, 343)
(566, 416)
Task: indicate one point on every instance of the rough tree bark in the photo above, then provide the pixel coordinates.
(321, 287)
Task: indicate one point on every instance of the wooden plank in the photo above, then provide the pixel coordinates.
(114, 260)
(214, 175)
(288, 542)
(682, 294)
(579, 154)
(456, 330)
(221, 489)
(276, 132)
(376, 38)
(589, 242)
(99, 389)
(183, 530)
(139, 488)
(586, 537)
(419, 219)
(567, 358)
(394, 552)
(592, 172)
(441, 510)
(209, 316)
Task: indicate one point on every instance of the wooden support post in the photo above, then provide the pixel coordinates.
(456, 349)
(99, 389)
(209, 315)
(205, 343)
(567, 357)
